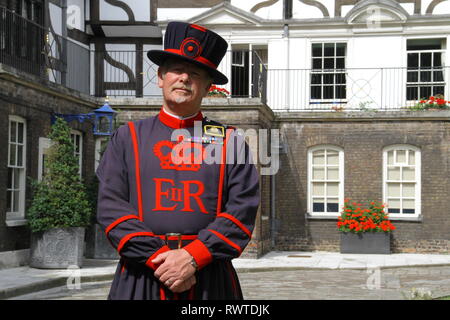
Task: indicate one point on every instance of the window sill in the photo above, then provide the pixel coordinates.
(321, 216)
(418, 218)
(332, 217)
(16, 222)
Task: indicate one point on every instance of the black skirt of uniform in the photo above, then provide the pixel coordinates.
(216, 281)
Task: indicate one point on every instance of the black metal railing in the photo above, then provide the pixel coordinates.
(28, 47)
(130, 73)
(355, 88)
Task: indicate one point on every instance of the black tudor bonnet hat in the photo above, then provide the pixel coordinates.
(195, 44)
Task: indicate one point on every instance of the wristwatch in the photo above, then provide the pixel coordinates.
(194, 263)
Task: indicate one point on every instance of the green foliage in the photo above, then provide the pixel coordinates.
(60, 199)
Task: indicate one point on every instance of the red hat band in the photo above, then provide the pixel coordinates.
(198, 58)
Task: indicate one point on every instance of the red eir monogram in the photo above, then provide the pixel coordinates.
(190, 189)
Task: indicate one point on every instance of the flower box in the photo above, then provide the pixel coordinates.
(366, 243)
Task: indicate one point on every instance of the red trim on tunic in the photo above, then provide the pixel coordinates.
(222, 172)
(175, 123)
(149, 262)
(226, 240)
(137, 169)
(162, 292)
(183, 237)
(200, 252)
(118, 221)
(125, 239)
(236, 222)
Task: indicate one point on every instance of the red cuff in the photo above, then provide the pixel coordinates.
(200, 253)
(149, 262)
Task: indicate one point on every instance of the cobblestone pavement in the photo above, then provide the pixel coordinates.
(390, 284)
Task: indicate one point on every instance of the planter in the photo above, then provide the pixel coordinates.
(366, 242)
(57, 248)
(97, 245)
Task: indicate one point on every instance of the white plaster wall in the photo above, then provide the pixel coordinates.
(150, 73)
(304, 11)
(409, 7)
(442, 8)
(140, 9)
(277, 88)
(166, 14)
(56, 18)
(246, 5)
(376, 77)
(375, 52)
(275, 11)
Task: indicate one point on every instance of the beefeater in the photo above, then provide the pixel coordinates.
(178, 193)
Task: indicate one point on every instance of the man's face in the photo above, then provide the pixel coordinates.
(184, 85)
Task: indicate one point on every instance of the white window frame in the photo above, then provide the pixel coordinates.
(419, 84)
(79, 154)
(335, 71)
(98, 148)
(341, 181)
(14, 218)
(44, 146)
(417, 174)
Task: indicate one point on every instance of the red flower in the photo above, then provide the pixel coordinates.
(356, 219)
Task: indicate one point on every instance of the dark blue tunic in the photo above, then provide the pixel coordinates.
(153, 183)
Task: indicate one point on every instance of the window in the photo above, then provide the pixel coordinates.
(325, 180)
(44, 147)
(425, 68)
(328, 79)
(77, 139)
(240, 73)
(401, 176)
(100, 147)
(15, 198)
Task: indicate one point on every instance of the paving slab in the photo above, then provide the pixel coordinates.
(26, 280)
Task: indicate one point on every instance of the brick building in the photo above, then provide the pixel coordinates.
(334, 77)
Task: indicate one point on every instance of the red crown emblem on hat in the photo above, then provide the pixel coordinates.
(187, 156)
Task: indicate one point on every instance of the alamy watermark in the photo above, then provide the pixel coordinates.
(74, 279)
(265, 141)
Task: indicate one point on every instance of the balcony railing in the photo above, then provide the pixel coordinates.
(130, 73)
(354, 88)
(29, 47)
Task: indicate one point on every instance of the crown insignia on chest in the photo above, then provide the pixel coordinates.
(183, 156)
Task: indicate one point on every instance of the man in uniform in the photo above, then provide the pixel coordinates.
(176, 219)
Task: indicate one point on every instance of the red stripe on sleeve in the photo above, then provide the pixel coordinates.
(125, 239)
(118, 221)
(137, 168)
(225, 239)
(237, 222)
(222, 172)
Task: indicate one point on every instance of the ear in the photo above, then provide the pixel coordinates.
(207, 88)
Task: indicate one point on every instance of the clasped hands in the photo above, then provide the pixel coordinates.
(175, 270)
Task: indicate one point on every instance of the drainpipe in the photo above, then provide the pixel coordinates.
(286, 38)
(274, 222)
